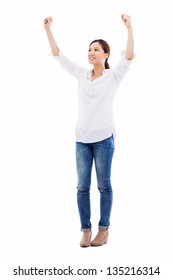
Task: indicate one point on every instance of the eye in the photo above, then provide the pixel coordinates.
(96, 50)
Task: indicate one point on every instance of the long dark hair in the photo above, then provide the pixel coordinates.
(105, 46)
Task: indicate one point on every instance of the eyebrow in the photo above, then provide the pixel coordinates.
(95, 47)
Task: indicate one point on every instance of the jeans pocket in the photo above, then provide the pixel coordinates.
(109, 142)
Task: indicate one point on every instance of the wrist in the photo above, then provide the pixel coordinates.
(129, 27)
(47, 28)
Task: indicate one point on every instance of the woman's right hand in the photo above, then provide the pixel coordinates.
(47, 22)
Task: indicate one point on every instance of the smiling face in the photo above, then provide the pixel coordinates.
(96, 55)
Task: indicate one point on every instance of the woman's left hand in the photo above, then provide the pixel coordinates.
(127, 20)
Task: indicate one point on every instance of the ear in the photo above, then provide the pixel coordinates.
(106, 55)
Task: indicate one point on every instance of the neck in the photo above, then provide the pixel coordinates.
(97, 70)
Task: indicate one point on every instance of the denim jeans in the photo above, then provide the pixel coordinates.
(101, 154)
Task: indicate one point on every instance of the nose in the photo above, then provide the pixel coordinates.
(91, 53)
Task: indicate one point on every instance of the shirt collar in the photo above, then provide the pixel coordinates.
(90, 73)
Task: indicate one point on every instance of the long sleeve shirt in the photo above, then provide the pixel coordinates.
(95, 120)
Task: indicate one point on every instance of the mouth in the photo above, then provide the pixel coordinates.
(91, 58)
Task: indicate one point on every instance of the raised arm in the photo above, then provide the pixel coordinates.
(129, 53)
(47, 25)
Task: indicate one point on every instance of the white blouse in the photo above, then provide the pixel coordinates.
(95, 99)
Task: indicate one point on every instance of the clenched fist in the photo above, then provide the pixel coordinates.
(47, 22)
(127, 20)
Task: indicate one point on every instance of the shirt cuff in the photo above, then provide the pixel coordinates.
(56, 56)
(122, 54)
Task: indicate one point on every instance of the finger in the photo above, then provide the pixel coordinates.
(124, 18)
(49, 19)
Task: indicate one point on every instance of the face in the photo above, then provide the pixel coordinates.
(96, 54)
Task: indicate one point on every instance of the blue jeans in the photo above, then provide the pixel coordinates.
(101, 153)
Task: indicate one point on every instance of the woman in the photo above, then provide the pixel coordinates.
(95, 130)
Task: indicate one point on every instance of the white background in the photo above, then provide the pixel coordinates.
(38, 110)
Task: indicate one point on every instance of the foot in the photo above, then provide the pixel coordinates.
(101, 238)
(86, 239)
